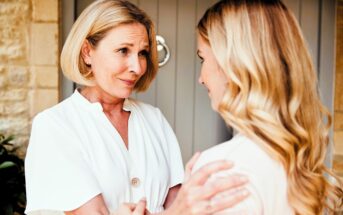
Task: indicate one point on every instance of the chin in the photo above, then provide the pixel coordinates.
(214, 106)
(122, 94)
(126, 94)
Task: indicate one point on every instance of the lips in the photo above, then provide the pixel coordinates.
(128, 82)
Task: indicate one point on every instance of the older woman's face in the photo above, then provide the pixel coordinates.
(211, 76)
(120, 59)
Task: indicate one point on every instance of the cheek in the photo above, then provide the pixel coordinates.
(205, 72)
(144, 66)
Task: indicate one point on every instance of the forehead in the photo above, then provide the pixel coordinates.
(132, 32)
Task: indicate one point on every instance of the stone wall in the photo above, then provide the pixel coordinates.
(29, 52)
(338, 115)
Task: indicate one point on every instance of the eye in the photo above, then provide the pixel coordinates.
(123, 51)
(143, 53)
(201, 59)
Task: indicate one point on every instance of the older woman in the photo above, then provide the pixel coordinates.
(261, 80)
(99, 149)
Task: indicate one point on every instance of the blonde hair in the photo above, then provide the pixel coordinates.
(92, 25)
(271, 95)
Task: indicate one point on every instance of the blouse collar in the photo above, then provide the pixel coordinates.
(80, 99)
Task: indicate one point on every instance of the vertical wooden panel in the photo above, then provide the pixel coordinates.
(68, 11)
(166, 77)
(326, 60)
(151, 8)
(81, 5)
(185, 76)
(310, 26)
(294, 6)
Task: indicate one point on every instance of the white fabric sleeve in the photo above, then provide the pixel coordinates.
(175, 159)
(58, 177)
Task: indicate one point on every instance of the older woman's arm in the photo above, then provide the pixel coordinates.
(96, 206)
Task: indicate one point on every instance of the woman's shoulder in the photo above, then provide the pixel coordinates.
(267, 177)
(59, 113)
(247, 155)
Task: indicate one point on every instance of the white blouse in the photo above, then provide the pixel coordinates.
(75, 153)
(267, 177)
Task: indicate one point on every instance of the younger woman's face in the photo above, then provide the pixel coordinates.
(211, 76)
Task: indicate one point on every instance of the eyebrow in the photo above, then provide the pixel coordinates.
(131, 44)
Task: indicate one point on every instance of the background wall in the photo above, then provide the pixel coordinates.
(28, 64)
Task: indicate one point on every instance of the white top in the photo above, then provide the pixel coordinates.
(267, 177)
(75, 153)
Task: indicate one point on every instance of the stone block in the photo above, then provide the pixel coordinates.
(2, 69)
(14, 19)
(3, 81)
(44, 44)
(18, 76)
(14, 125)
(14, 108)
(2, 108)
(13, 95)
(46, 76)
(41, 99)
(45, 10)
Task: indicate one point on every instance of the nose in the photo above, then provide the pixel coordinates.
(135, 65)
(200, 80)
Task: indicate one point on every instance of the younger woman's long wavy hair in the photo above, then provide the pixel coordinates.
(272, 95)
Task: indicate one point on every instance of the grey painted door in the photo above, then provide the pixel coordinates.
(176, 90)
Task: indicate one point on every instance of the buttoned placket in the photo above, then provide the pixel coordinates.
(135, 180)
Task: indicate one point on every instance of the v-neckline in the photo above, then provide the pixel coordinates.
(116, 133)
(109, 119)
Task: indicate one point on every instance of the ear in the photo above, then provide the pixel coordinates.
(86, 52)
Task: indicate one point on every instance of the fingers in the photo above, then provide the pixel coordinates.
(222, 184)
(201, 175)
(129, 206)
(140, 207)
(228, 199)
(222, 203)
(190, 165)
(124, 209)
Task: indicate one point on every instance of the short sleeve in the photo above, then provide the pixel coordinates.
(58, 177)
(175, 159)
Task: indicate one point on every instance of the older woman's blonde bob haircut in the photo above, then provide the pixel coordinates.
(272, 96)
(92, 25)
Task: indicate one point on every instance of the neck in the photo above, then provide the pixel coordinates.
(109, 103)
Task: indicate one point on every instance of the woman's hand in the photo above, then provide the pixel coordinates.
(131, 209)
(197, 196)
